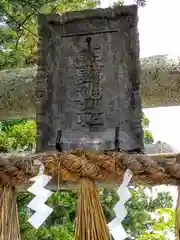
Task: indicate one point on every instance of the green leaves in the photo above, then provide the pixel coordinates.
(18, 44)
(166, 219)
(59, 225)
(152, 236)
(17, 135)
(146, 220)
(148, 138)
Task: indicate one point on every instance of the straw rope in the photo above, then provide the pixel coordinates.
(17, 169)
(108, 168)
(9, 223)
(90, 221)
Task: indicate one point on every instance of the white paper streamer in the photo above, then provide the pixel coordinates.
(37, 204)
(115, 226)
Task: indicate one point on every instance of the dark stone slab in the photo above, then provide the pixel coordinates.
(88, 80)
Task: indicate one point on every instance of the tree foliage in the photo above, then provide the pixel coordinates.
(18, 27)
(148, 138)
(17, 135)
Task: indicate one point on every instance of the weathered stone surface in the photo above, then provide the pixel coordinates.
(88, 80)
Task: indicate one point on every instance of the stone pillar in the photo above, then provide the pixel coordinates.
(88, 80)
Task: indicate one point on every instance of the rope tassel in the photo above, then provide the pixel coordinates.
(90, 220)
(9, 221)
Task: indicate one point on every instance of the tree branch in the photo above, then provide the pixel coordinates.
(20, 25)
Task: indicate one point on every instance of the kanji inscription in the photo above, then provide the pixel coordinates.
(88, 88)
(88, 81)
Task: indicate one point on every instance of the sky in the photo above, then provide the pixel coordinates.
(158, 33)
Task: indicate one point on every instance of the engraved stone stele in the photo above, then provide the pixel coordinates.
(88, 80)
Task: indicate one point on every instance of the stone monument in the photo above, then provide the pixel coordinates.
(88, 81)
